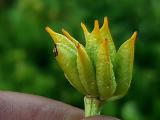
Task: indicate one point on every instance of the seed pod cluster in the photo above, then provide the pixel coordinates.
(96, 70)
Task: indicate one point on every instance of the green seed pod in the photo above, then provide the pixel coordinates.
(104, 72)
(67, 60)
(86, 72)
(96, 70)
(66, 57)
(123, 67)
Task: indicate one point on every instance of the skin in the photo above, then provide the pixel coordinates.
(19, 106)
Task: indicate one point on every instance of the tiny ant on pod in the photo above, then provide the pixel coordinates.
(55, 51)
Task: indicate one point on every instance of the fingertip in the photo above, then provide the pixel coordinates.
(100, 118)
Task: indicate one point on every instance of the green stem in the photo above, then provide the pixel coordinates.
(92, 106)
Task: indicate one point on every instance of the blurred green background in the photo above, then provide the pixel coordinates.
(27, 63)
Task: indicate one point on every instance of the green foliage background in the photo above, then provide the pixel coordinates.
(27, 63)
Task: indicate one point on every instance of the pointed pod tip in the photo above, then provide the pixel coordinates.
(105, 20)
(66, 33)
(96, 27)
(52, 33)
(69, 37)
(84, 27)
(105, 24)
(63, 30)
(96, 23)
(133, 37)
(49, 30)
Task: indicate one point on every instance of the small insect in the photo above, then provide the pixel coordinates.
(55, 51)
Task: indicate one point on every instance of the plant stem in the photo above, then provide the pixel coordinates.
(92, 106)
